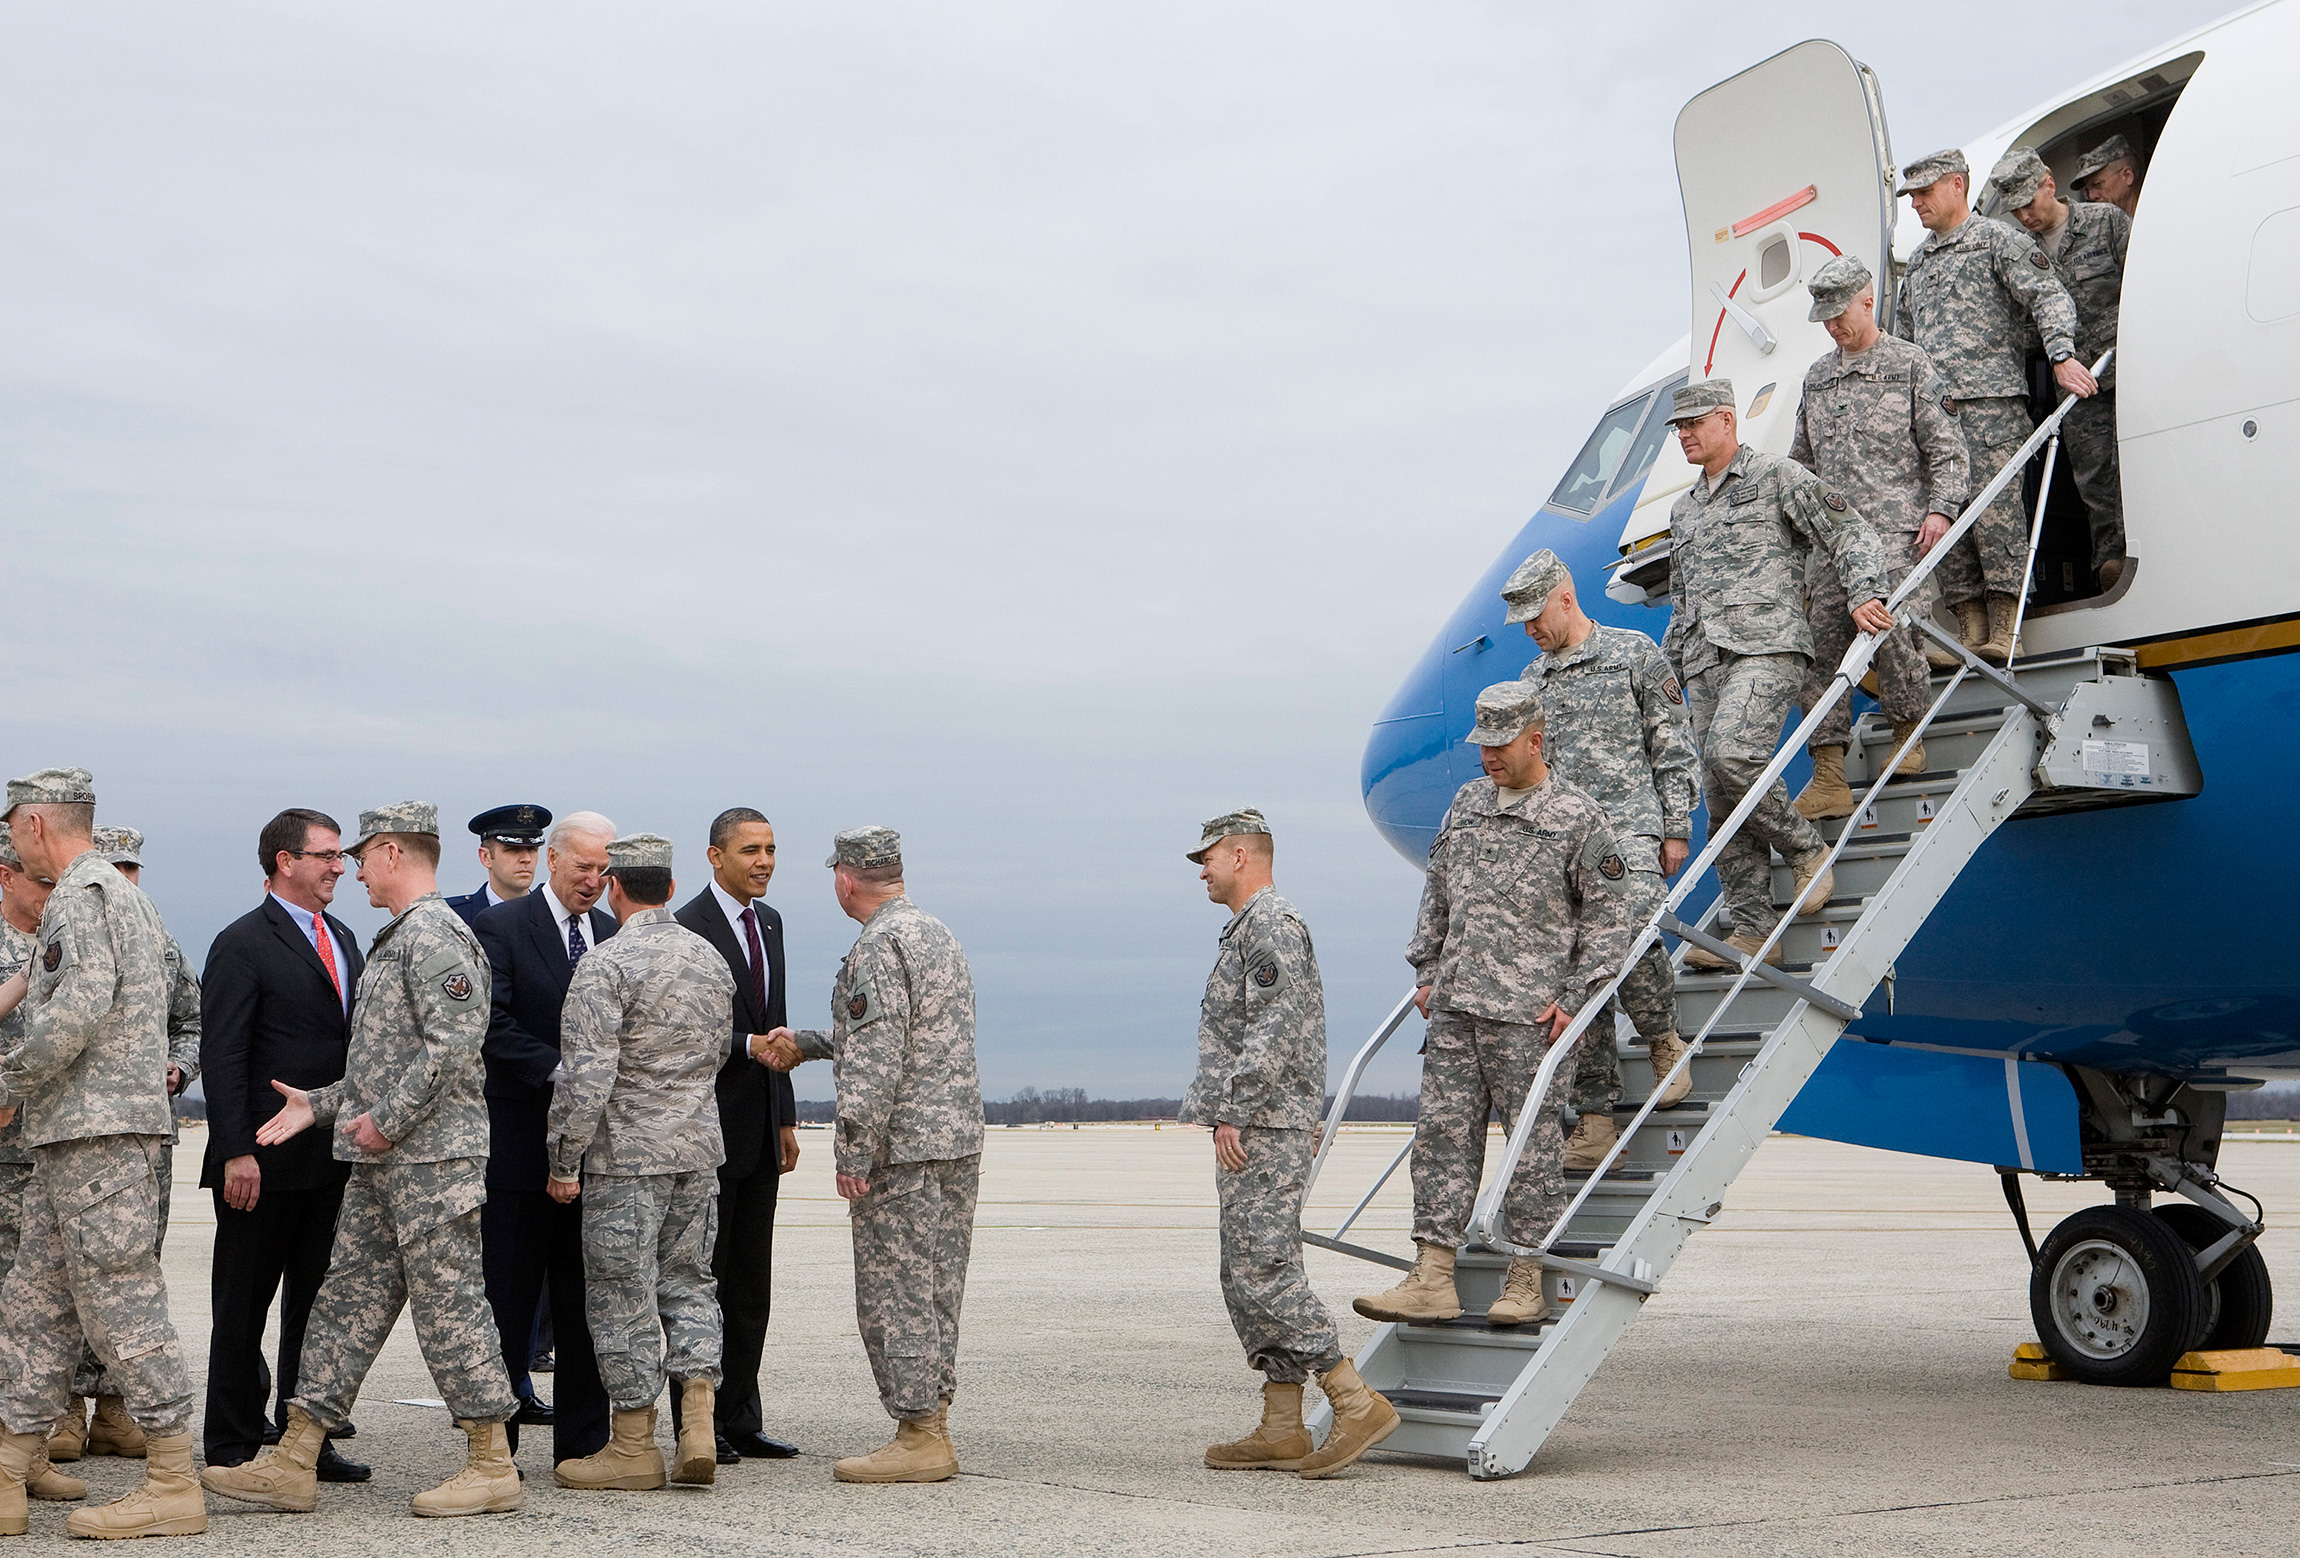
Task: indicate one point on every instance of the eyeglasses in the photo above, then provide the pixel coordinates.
(324, 856)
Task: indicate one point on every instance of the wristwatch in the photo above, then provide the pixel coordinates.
(2061, 356)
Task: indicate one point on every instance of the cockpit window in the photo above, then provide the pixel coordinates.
(1600, 459)
(1648, 446)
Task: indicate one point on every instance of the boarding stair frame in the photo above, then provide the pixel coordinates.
(2020, 738)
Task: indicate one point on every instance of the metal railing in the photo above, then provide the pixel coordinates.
(1849, 672)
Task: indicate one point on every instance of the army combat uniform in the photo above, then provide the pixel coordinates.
(637, 1113)
(2087, 252)
(1262, 1070)
(1739, 638)
(1525, 905)
(408, 1234)
(1875, 426)
(1617, 728)
(901, 1047)
(16, 951)
(1968, 298)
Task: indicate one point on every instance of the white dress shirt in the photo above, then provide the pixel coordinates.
(561, 914)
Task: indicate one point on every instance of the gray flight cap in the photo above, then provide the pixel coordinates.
(1692, 402)
(1835, 285)
(1505, 711)
(1230, 824)
(51, 787)
(2115, 149)
(864, 848)
(639, 851)
(2018, 175)
(398, 817)
(120, 846)
(1529, 589)
(1925, 172)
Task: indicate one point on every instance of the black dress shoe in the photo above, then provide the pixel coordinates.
(728, 1454)
(347, 1431)
(542, 1363)
(534, 1412)
(334, 1468)
(758, 1447)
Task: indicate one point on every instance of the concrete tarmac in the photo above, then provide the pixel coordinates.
(1823, 1372)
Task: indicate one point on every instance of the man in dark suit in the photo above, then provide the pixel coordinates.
(275, 1001)
(757, 1117)
(509, 836)
(532, 945)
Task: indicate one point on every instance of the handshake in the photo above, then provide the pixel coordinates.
(779, 1049)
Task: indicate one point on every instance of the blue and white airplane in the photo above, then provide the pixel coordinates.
(2149, 943)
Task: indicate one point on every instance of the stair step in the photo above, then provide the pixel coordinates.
(1474, 1324)
(1443, 1406)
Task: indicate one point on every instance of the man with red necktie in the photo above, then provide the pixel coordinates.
(275, 1001)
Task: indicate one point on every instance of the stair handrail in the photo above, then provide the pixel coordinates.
(1850, 669)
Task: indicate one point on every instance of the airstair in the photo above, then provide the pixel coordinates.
(2072, 731)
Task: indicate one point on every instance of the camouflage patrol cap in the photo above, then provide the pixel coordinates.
(120, 846)
(2018, 175)
(1231, 823)
(1925, 172)
(398, 817)
(1505, 711)
(2115, 149)
(1695, 401)
(1529, 589)
(51, 787)
(1835, 285)
(864, 848)
(8, 855)
(638, 852)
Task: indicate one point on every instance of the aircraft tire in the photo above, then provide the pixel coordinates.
(2115, 1297)
(2238, 1303)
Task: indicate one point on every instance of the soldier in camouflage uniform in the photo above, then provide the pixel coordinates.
(908, 1146)
(2086, 243)
(1616, 728)
(90, 1078)
(1872, 424)
(409, 1118)
(1973, 289)
(22, 898)
(2109, 174)
(1260, 1084)
(1741, 539)
(1524, 915)
(112, 1431)
(634, 1130)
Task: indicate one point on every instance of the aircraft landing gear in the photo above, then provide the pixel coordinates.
(2238, 1301)
(2116, 1297)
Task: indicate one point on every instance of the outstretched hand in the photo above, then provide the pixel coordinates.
(292, 1121)
(782, 1050)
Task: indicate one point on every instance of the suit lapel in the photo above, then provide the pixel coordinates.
(722, 935)
(285, 927)
(546, 935)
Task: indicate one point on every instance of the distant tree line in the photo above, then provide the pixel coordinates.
(2279, 1102)
(1071, 1106)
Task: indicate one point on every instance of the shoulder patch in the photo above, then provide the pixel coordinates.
(861, 1004)
(858, 1005)
(1265, 974)
(53, 958)
(456, 987)
(1612, 867)
(2037, 258)
(1949, 404)
(1674, 692)
(1835, 502)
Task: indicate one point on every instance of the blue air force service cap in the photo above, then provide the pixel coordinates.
(519, 826)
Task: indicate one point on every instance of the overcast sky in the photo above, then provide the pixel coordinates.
(1033, 427)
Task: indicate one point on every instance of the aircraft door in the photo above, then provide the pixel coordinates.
(1781, 167)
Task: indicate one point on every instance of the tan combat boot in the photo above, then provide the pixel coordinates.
(696, 1463)
(68, 1441)
(1279, 1444)
(1825, 794)
(168, 1504)
(1814, 882)
(1666, 1051)
(1972, 624)
(2000, 647)
(1521, 1300)
(1937, 654)
(1740, 941)
(488, 1483)
(629, 1460)
(17, 1453)
(1914, 764)
(920, 1451)
(1363, 1418)
(283, 1476)
(44, 1481)
(1591, 1140)
(1427, 1294)
(113, 1431)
